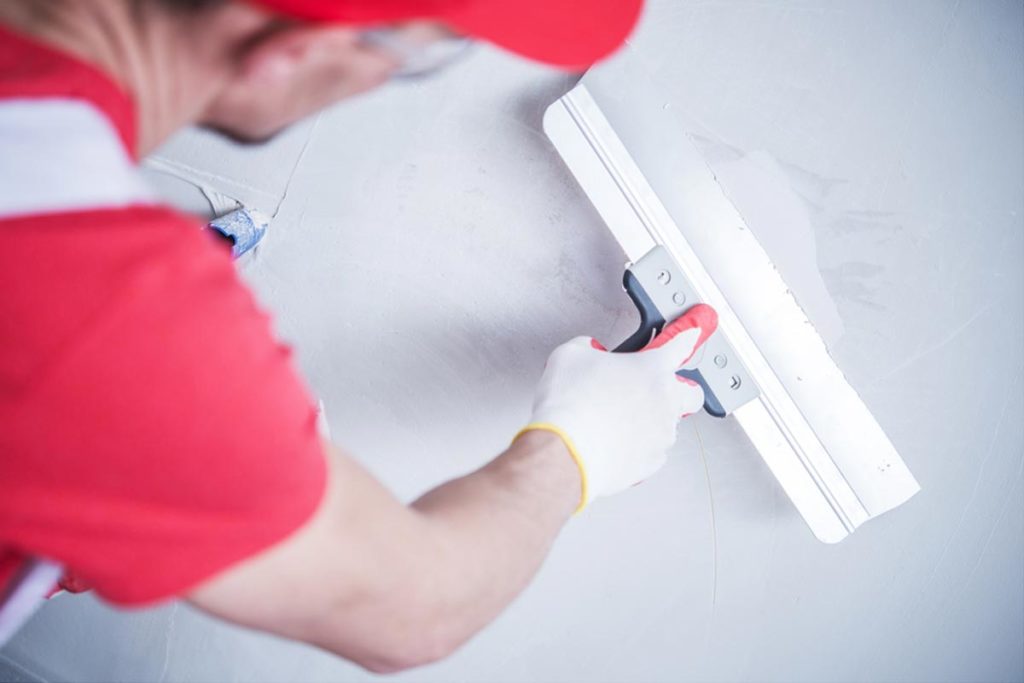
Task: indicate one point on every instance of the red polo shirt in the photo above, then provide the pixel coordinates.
(152, 430)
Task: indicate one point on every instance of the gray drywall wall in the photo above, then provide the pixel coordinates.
(430, 249)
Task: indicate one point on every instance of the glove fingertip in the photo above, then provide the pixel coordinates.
(700, 317)
(689, 396)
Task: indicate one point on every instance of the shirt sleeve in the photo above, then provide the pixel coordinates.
(158, 433)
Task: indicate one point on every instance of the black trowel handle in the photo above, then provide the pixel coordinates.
(651, 323)
(651, 320)
(661, 292)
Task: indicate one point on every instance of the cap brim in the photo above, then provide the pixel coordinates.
(571, 34)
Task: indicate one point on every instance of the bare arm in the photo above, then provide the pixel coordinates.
(391, 586)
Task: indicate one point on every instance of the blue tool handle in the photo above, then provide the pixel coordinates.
(651, 323)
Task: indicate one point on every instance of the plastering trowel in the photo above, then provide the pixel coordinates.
(766, 366)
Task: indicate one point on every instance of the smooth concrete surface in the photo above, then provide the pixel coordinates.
(430, 249)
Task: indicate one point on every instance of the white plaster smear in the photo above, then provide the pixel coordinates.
(637, 100)
(759, 188)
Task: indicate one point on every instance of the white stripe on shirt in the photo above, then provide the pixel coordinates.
(59, 154)
(31, 585)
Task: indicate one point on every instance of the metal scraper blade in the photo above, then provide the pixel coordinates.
(815, 434)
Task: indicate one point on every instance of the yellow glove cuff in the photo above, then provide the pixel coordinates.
(571, 447)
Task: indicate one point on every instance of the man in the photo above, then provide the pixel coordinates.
(155, 441)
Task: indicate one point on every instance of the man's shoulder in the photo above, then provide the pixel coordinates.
(68, 275)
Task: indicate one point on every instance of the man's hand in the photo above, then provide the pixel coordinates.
(617, 412)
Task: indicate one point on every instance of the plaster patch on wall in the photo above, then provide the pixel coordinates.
(764, 194)
(212, 185)
(188, 194)
(256, 175)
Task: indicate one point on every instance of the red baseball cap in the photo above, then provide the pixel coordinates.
(572, 34)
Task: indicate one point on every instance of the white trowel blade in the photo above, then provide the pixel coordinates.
(815, 434)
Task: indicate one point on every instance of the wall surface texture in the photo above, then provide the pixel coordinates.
(429, 249)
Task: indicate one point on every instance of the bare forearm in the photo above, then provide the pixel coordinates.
(495, 526)
(449, 563)
(392, 586)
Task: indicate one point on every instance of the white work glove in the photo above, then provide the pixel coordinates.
(617, 412)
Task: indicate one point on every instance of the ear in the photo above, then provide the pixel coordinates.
(288, 71)
(283, 53)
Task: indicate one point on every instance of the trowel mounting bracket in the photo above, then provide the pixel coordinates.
(662, 292)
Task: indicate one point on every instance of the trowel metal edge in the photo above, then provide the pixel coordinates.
(817, 437)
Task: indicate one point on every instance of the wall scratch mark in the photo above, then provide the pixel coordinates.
(298, 161)
(167, 643)
(1002, 514)
(981, 554)
(934, 346)
(194, 175)
(714, 525)
(974, 493)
